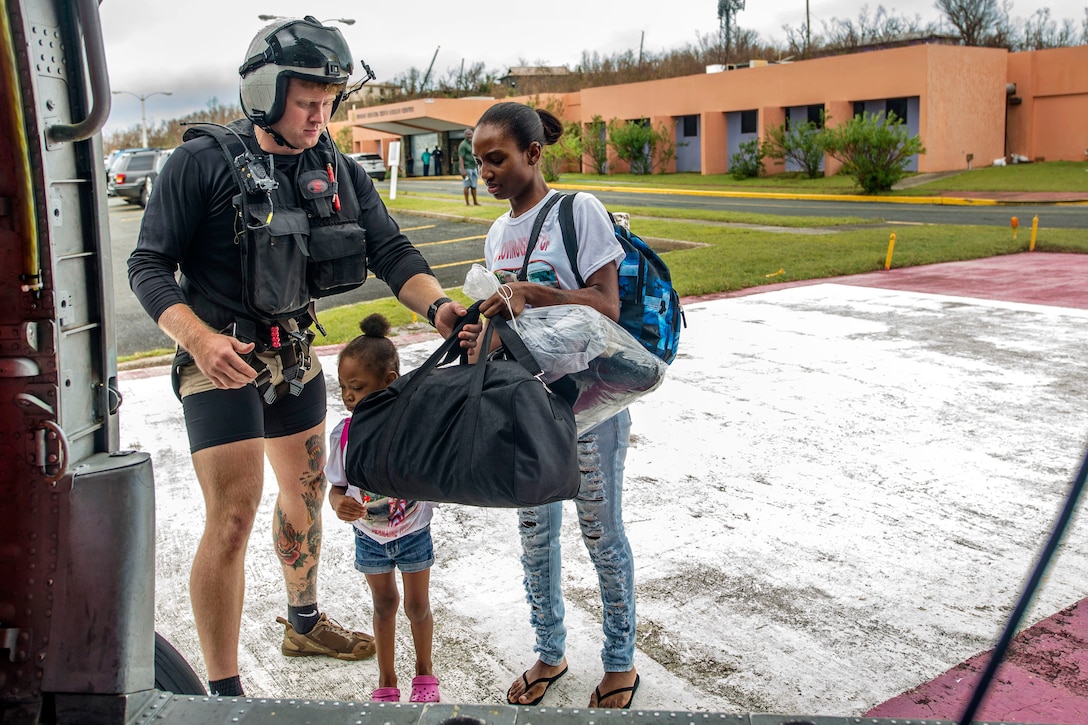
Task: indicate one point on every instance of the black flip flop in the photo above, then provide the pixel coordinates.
(534, 683)
(632, 689)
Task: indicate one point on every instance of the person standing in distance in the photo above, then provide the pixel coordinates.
(249, 381)
(437, 156)
(467, 162)
(508, 145)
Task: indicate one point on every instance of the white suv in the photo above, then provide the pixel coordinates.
(371, 163)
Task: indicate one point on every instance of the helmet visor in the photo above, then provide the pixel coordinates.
(309, 45)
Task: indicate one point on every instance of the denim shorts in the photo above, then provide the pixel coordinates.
(410, 553)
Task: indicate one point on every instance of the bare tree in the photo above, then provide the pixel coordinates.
(870, 29)
(975, 20)
(1040, 32)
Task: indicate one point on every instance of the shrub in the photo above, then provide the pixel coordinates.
(595, 145)
(641, 146)
(874, 148)
(747, 163)
(802, 143)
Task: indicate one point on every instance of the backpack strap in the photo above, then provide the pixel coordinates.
(232, 147)
(538, 224)
(570, 236)
(344, 434)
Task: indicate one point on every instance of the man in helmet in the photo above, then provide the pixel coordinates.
(261, 216)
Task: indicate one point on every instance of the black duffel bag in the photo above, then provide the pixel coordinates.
(489, 434)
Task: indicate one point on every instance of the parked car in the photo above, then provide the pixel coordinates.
(149, 180)
(128, 175)
(371, 163)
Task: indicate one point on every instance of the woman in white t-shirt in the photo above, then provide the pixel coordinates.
(508, 145)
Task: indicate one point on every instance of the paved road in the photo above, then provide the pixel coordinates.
(1053, 215)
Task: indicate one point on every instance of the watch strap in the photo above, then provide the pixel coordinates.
(432, 311)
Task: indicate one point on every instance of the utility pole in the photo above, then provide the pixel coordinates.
(423, 85)
(143, 113)
(808, 29)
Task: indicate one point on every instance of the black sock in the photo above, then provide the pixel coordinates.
(303, 618)
(229, 687)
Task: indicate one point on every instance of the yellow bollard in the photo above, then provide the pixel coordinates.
(1015, 225)
(1034, 231)
(891, 248)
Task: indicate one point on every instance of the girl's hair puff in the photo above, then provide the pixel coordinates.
(524, 124)
(373, 349)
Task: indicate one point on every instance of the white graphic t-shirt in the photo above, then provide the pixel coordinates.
(507, 240)
(386, 519)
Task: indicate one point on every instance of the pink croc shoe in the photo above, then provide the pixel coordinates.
(386, 694)
(424, 689)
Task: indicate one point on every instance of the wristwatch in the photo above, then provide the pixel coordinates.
(432, 311)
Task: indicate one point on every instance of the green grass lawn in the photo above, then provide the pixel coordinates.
(1045, 176)
(1048, 176)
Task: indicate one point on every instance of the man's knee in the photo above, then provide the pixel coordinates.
(227, 529)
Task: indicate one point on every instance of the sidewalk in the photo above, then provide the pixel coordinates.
(833, 502)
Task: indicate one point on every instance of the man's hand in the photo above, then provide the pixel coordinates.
(215, 354)
(219, 357)
(446, 319)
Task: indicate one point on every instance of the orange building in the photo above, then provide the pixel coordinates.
(970, 106)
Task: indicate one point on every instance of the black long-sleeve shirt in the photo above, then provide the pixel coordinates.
(189, 224)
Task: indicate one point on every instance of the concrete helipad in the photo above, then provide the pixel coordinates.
(833, 500)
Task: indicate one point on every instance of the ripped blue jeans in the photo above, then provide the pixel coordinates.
(601, 455)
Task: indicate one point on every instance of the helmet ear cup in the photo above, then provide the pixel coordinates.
(261, 97)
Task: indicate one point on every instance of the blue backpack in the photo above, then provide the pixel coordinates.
(649, 305)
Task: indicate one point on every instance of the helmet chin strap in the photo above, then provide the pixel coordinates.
(276, 136)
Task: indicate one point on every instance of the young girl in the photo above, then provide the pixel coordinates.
(508, 144)
(389, 533)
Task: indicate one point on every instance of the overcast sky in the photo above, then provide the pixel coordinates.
(193, 48)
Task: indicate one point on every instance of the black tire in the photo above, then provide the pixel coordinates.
(172, 672)
(380, 177)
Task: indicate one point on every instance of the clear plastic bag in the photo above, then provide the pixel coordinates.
(479, 283)
(605, 366)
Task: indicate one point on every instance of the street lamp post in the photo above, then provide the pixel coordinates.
(345, 21)
(143, 112)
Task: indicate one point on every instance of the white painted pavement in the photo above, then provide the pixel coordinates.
(835, 496)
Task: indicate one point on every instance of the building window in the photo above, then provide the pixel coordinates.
(898, 106)
(690, 126)
(859, 108)
(816, 115)
(749, 121)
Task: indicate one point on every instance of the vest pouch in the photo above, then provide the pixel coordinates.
(274, 261)
(337, 258)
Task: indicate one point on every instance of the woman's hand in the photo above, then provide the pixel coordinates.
(512, 292)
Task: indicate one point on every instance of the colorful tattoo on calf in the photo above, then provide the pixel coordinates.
(315, 454)
(289, 542)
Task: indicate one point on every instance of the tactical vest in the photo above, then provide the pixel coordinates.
(300, 240)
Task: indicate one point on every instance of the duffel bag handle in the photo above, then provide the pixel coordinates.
(447, 352)
(514, 345)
